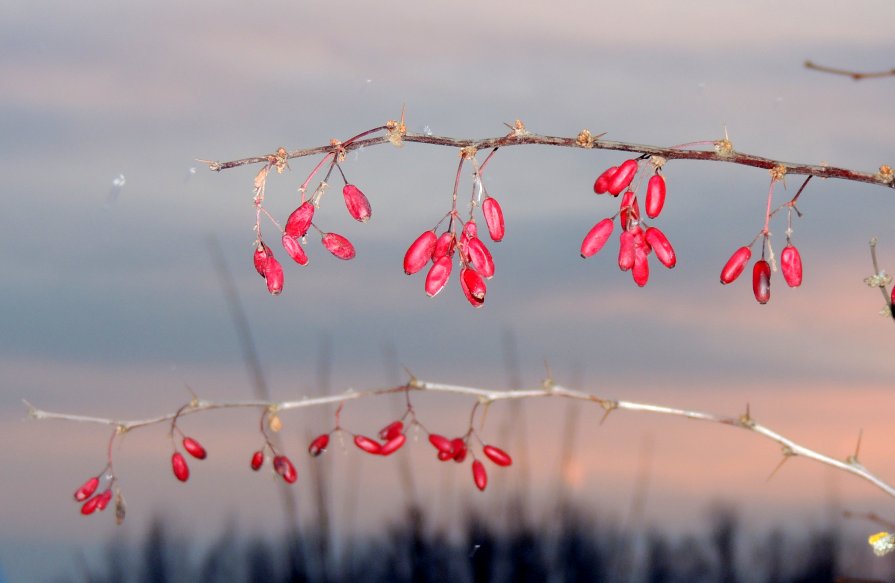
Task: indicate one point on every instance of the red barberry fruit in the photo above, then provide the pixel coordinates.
(357, 204)
(626, 250)
(473, 286)
(640, 269)
(735, 265)
(319, 445)
(273, 273)
(480, 257)
(458, 449)
(494, 219)
(420, 252)
(87, 490)
(479, 475)
(791, 265)
(194, 448)
(659, 243)
(293, 248)
(179, 467)
(257, 460)
(441, 443)
(285, 469)
(444, 456)
(601, 185)
(655, 196)
(444, 246)
(497, 455)
(261, 257)
(761, 281)
(89, 507)
(623, 177)
(299, 221)
(393, 444)
(629, 210)
(391, 430)
(367, 444)
(596, 237)
(438, 275)
(103, 499)
(338, 246)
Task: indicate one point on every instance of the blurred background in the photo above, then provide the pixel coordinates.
(112, 305)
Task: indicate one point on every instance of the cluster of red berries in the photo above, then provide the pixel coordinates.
(178, 461)
(790, 265)
(86, 494)
(476, 262)
(635, 242)
(456, 449)
(294, 236)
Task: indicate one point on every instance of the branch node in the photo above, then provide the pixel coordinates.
(746, 419)
(778, 172)
(518, 129)
(724, 147)
(468, 152)
(883, 543)
(886, 175)
(585, 139)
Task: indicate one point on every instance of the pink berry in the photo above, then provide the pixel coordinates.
(458, 447)
(261, 257)
(438, 275)
(89, 507)
(623, 177)
(179, 467)
(293, 248)
(596, 237)
(655, 196)
(357, 204)
(299, 221)
(497, 455)
(441, 443)
(103, 499)
(480, 257)
(444, 246)
(393, 444)
(761, 281)
(273, 273)
(338, 246)
(194, 448)
(87, 490)
(479, 475)
(494, 219)
(626, 250)
(391, 430)
(368, 445)
(791, 265)
(735, 265)
(257, 460)
(285, 469)
(659, 243)
(420, 252)
(319, 445)
(601, 185)
(640, 269)
(473, 286)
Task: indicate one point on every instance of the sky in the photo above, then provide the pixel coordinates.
(112, 305)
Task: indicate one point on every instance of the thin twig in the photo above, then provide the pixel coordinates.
(857, 76)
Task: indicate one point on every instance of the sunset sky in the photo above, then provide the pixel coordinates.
(112, 305)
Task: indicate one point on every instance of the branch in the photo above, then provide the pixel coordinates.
(853, 74)
(485, 397)
(722, 151)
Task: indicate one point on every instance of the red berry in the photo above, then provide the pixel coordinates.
(470, 230)
(601, 185)
(102, 500)
(318, 446)
(479, 475)
(367, 444)
(761, 281)
(441, 443)
(735, 265)
(420, 252)
(299, 221)
(626, 250)
(257, 460)
(285, 469)
(445, 456)
(261, 257)
(89, 507)
(273, 273)
(640, 269)
(178, 465)
(494, 219)
(655, 196)
(393, 444)
(444, 246)
(623, 177)
(497, 455)
(338, 246)
(391, 430)
(357, 204)
(629, 210)
(791, 265)
(87, 490)
(596, 237)
(293, 248)
(659, 243)
(438, 275)
(194, 448)
(458, 447)
(473, 286)
(480, 257)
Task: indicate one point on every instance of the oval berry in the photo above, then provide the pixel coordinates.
(89, 507)
(444, 246)
(761, 281)
(87, 490)
(367, 444)
(479, 475)
(102, 500)
(293, 248)
(623, 177)
(601, 185)
(357, 204)
(260, 258)
(338, 245)
(626, 250)
(420, 252)
(735, 265)
(659, 243)
(285, 469)
(393, 444)
(273, 273)
(257, 460)
(473, 286)
(497, 455)
(480, 257)
(655, 196)
(438, 275)
(179, 467)
(391, 430)
(319, 445)
(596, 237)
(494, 219)
(299, 221)
(458, 447)
(194, 448)
(640, 269)
(441, 443)
(791, 265)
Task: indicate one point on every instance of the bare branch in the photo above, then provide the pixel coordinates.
(853, 74)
